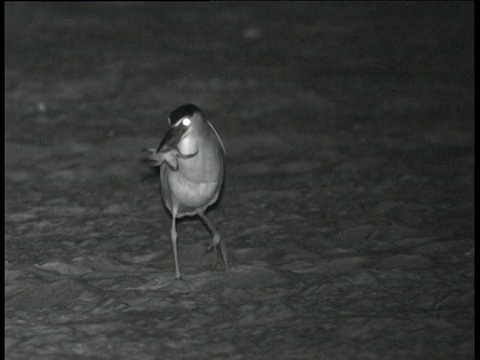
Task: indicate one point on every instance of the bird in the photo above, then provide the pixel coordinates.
(191, 158)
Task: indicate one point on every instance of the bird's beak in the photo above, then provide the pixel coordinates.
(172, 137)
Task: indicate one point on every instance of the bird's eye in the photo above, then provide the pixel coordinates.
(186, 121)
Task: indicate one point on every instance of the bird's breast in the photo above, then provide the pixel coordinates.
(207, 165)
(187, 193)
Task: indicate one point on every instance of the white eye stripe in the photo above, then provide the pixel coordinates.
(183, 122)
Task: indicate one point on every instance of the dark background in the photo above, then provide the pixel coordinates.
(348, 205)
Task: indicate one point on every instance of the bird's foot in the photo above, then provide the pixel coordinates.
(215, 254)
(214, 247)
(181, 283)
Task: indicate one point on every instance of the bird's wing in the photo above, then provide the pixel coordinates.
(218, 137)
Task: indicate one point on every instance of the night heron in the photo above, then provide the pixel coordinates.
(191, 157)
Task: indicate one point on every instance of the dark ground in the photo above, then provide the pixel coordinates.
(348, 207)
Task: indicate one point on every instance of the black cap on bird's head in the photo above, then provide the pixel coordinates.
(177, 128)
(182, 111)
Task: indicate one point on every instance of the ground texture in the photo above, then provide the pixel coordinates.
(348, 204)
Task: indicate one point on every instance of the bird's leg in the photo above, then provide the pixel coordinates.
(173, 235)
(217, 240)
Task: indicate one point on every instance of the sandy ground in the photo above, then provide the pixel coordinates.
(348, 205)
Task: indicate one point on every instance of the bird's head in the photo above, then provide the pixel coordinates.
(185, 121)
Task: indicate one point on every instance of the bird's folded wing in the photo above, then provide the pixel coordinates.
(218, 138)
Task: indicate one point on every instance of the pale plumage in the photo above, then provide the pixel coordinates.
(191, 157)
